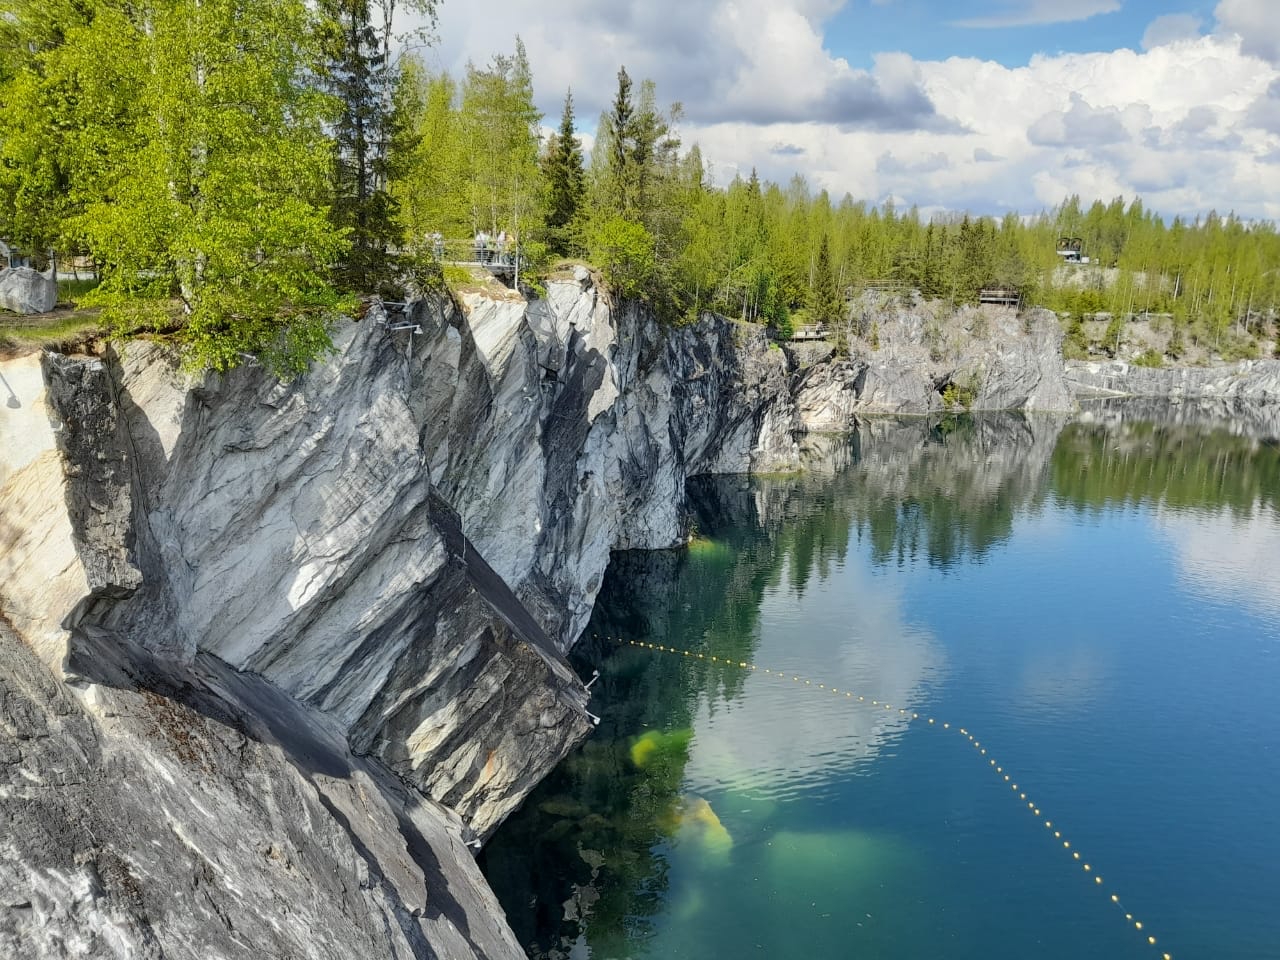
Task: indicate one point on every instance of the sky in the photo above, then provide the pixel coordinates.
(979, 105)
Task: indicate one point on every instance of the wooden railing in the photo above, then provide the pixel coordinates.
(810, 331)
(1004, 296)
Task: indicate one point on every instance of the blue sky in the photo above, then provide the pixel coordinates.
(979, 105)
(929, 30)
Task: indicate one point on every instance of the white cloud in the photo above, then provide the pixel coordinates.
(744, 61)
(1171, 28)
(1255, 22)
(1036, 12)
(1190, 123)
(1083, 125)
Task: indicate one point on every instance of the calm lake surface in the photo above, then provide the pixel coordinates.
(1097, 602)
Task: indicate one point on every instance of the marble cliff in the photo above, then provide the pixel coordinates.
(273, 657)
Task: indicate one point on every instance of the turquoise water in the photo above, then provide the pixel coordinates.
(1099, 604)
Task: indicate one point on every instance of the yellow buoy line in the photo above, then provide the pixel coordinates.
(1032, 807)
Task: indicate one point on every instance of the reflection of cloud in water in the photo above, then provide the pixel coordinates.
(1060, 680)
(781, 738)
(1228, 555)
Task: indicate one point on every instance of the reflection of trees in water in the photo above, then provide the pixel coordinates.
(1183, 466)
(592, 835)
(937, 492)
(591, 839)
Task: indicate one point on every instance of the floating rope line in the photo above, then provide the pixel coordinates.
(1032, 807)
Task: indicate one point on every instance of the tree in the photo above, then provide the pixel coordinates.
(431, 184)
(500, 127)
(566, 180)
(825, 303)
(617, 133)
(624, 251)
(196, 164)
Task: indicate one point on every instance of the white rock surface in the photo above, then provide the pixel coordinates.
(24, 290)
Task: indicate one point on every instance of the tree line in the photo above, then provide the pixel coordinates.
(239, 172)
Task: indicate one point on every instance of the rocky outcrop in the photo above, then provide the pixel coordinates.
(1248, 382)
(203, 814)
(399, 546)
(909, 361)
(25, 290)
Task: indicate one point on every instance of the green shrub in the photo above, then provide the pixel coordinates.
(959, 395)
(1240, 348)
(1149, 358)
(624, 251)
(1075, 346)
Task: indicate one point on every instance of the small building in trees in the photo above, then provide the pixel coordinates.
(1071, 250)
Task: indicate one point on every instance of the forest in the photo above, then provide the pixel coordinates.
(238, 174)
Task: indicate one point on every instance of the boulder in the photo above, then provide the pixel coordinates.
(24, 290)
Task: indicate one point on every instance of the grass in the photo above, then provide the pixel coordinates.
(62, 329)
(70, 291)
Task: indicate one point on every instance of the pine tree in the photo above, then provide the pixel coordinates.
(357, 74)
(824, 299)
(619, 135)
(566, 180)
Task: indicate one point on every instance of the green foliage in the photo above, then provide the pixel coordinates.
(1111, 339)
(1075, 346)
(187, 145)
(566, 180)
(1149, 358)
(1239, 348)
(623, 250)
(960, 394)
(473, 156)
(825, 302)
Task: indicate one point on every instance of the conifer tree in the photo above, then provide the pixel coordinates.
(566, 180)
(825, 304)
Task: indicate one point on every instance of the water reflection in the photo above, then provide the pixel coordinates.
(1229, 554)
(702, 774)
(776, 743)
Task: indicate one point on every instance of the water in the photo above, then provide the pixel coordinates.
(1099, 603)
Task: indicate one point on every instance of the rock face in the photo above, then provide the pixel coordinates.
(206, 815)
(909, 361)
(1248, 382)
(391, 554)
(24, 290)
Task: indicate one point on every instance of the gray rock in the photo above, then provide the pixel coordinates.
(1249, 381)
(24, 290)
(205, 815)
(1002, 361)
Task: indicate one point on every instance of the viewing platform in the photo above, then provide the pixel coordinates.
(1001, 296)
(810, 331)
(502, 260)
